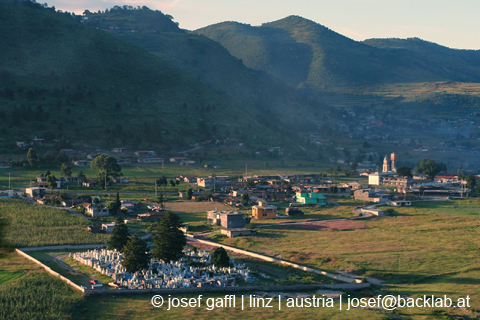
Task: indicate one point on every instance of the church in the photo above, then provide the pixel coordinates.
(388, 176)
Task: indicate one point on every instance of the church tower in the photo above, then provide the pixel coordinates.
(393, 157)
(385, 165)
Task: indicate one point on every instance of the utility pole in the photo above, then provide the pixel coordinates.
(155, 187)
(246, 166)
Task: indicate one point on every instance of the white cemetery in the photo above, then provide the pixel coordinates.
(194, 269)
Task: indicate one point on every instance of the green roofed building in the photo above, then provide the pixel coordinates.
(311, 198)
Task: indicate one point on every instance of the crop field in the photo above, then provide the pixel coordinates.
(33, 225)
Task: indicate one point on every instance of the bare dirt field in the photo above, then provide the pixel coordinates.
(192, 206)
(332, 225)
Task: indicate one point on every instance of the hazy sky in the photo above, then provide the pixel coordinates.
(452, 23)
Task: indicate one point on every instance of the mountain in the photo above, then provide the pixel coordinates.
(59, 77)
(256, 92)
(306, 54)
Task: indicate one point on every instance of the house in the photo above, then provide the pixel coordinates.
(22, 144)
(42, 182)
(36, 192)
(178, 159)
(96, 211)
(311, 198)
(82, 163)
(264, 211)
(238, 193)
(188, 163)
(235, 232)
(69, 179)
(205, 182)
(188, 178)
(38, 141)
(145, 153)
(108, 227)
(369, 195)
(373, 211)
(85, 199)
(7, 194)
(155, 215)
(72, 202)
(89, 183)
(399, 203)
(119, 150)
(120, 180)
(447, 177)
(226, 219)
(5, 165)
(150, 160)
(94, 228)
(355, 185)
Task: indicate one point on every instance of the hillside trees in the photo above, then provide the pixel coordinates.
(31, 157)
(169, 240)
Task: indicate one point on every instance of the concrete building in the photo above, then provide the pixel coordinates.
(264, 211)
(96, 211)
(370, 195)
(311, 198)
(36, 192)
(226, 219)
(108, 227)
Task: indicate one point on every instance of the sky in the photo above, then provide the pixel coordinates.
(454, 24)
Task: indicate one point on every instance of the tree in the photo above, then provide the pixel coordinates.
(135, 255)
(119, 237)
(66, 170)
(220, 258)
(162, 182)
(404, 171)
(172, 183)
(421, 190)
(353, 167)
(82, 177)
(245, 199)
(189, 193)
(51, 180)
(471, 182)
(107, 167)
(169, 239)
(31, 157)
(429, 168)
(117, 202)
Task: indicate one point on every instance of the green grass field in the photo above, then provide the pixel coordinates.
(428, 248)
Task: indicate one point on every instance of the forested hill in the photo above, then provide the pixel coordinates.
(59, 77)
(304, 53)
